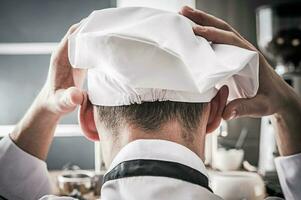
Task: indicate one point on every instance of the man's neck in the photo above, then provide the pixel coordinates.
(171, 132)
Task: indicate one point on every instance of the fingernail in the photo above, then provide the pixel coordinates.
(233, 114)
(188, 8)
(68, 101)
(199, 28)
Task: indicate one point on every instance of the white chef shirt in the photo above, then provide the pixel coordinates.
(24, 176)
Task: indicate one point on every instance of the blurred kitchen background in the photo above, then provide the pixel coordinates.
(22, 76)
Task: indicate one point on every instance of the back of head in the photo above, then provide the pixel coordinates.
(150, 117)
(180, 122)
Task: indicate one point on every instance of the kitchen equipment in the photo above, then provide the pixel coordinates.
(77, 183)
(210, 147)
(237, 185)
(268, 147)
(224, 158)
(279, 39)
(228, 160)
(242, 138)
(211, 143)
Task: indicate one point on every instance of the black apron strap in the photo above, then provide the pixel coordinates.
(169, 169)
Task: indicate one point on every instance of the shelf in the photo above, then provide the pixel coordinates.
(27, 48)
(62, 130)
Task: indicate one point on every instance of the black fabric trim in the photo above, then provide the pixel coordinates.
(143, 167)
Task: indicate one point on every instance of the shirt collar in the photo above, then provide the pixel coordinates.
(159, 150)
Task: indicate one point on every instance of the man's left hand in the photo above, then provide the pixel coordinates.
(60, 95)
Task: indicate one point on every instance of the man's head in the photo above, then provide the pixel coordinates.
(130, 61)
(181, 122)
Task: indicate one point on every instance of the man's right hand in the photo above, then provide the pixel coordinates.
(274, 96)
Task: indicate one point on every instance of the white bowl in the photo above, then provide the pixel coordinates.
(237, 185)
(228, 160)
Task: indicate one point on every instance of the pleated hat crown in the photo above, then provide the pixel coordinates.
(137, 54)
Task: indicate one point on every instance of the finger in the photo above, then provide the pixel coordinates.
(70, 99)
(62, 48)
(254, 107)
(205, 19)
(79, 76)
(76, 95)
(71, 30)
(220, 36)
(64, 41)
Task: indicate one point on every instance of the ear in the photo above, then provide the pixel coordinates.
(217, 106)
(86, 120)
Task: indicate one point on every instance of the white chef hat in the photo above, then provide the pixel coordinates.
(136, 55)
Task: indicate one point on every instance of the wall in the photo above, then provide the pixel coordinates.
(21, 77)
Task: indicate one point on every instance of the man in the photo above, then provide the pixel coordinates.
(140, 135)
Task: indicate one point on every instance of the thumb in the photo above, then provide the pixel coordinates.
(253, 107)
(69, 99)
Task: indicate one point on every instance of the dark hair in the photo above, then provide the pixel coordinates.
(150, 116)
